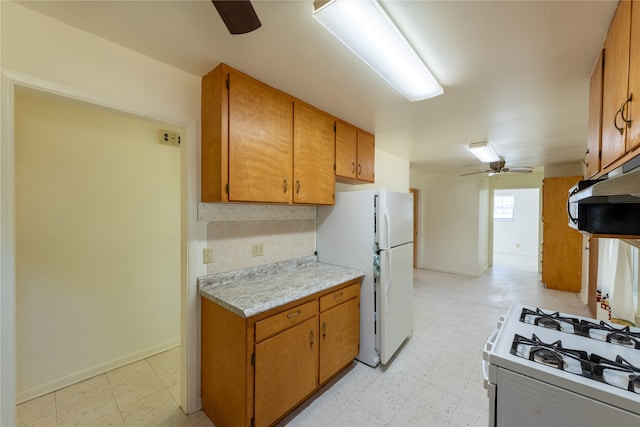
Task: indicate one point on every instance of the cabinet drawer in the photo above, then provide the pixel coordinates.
(339, 296)
(283, 321)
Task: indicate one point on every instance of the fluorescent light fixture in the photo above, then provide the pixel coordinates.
(484, 152)
(364, 27)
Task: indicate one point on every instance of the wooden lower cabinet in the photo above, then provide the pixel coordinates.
(256, 370)
(286, 371)
(340, 338)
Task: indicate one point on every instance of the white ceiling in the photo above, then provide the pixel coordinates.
(514, 72)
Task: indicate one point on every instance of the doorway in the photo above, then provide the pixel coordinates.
(516, 224)
(98, 232)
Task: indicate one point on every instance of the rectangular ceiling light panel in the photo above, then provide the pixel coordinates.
(484, 152)
(364, 27)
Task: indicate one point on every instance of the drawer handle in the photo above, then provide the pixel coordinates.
(294, 314)
(338, 295)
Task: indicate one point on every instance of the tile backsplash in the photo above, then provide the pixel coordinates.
(232, 241)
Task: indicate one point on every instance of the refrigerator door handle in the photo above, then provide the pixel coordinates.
(388, 274)
(386, 244)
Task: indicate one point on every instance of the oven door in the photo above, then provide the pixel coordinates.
(523, 401)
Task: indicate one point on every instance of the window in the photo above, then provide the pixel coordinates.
(503, 206)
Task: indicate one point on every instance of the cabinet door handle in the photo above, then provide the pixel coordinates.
(294, 314)
(621, 113)
(284, 186)
(359, 169)
(312, 338)
(324, 330)
(353, 167)
(624, 104)
(297, 186)
(615, 122)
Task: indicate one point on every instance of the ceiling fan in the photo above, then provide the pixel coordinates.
(496, 168)
(238, 15)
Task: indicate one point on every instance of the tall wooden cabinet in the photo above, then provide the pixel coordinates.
(561, 244)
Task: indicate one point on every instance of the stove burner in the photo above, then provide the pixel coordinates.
(551, 320)
(547, 357)
(554, 355)
(606, 332)
(621, 339)
(547, 323)
(619, 373)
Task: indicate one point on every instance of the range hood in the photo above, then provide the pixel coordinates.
(624, 188)
(609, 206)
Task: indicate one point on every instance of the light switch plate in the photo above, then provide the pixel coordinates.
(207, 256)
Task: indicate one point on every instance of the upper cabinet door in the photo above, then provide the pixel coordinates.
(616, 78)
(314, 156)
(366, 156)
(346, 150)
(260, 137)
(594, 133)
(633, 136)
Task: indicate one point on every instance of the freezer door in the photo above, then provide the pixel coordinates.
(396, 299)
(394, 219)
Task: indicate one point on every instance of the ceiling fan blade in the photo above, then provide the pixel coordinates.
(523, 169)
(476, 172)
(238, 15)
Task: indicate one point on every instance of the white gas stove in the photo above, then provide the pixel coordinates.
(547, 368)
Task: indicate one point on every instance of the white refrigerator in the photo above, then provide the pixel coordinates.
(373, 232)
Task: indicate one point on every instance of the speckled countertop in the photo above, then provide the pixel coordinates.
(253, 290)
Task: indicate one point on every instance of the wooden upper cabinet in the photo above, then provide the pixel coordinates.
(594, 133)
(366, 156)
(247, 134)
(633, 136)
(260, 134)
(256, 149)
(355, 154)
(313, 156)
(346, 150)
(615, 87)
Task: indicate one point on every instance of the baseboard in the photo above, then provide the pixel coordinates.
(76, 377)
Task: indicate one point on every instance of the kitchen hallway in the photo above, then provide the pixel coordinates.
(434, 380)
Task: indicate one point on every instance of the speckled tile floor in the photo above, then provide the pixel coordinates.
(434, 380)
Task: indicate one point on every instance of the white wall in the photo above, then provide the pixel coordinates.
(454, 222)
(44, 53)
(97, 241)
(519, 235)
(392, 173)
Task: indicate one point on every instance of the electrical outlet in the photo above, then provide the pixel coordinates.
(170, 138)
(207, 256)
(257, 249)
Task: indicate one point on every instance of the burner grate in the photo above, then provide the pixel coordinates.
(601, 331)
(619, 373)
